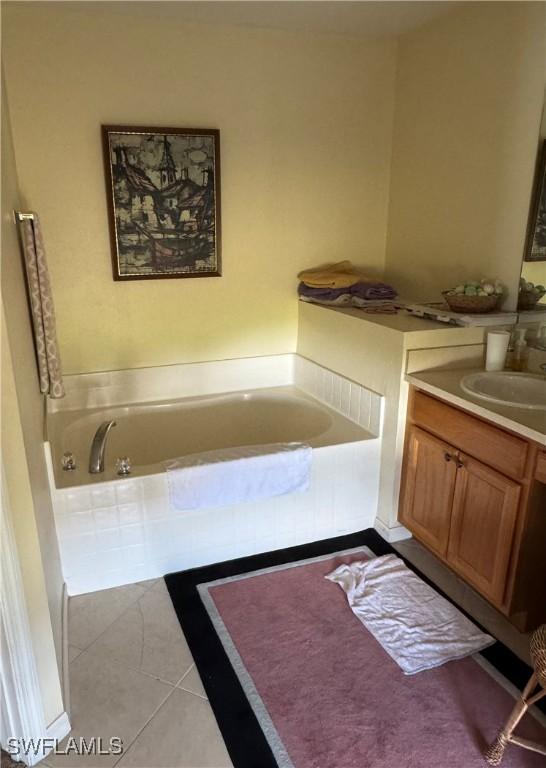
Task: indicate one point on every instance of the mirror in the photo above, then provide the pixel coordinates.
(533, 270)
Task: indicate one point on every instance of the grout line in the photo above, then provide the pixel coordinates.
(186, 673)
(112, 622)
(148, 721)
(148, 674)
(124, 664)
(186, 690)
(192, 693)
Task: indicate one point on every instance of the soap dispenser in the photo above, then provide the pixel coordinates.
(520, 351)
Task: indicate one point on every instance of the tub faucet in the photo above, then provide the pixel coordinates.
(96, 456)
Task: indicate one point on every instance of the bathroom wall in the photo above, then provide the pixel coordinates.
(24, 414)
(469, 93)
(18, 493)
(305, 128)
(371, 350)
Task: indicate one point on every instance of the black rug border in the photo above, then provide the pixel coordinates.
(242, 733)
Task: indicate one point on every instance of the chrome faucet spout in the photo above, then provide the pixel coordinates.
(98, 446)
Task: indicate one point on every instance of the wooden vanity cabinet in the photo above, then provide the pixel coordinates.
(483, 523)
(472, 494)
(429, 488)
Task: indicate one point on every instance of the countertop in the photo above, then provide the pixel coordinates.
(414, 331)
(445, 384)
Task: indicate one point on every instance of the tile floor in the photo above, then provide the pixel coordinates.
(465, 597)
(132, 674)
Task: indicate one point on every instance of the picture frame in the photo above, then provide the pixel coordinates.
(163, 195)
(535, 243)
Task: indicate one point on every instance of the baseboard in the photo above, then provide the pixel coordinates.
(396, 533)
(59, 728)
(65, 681)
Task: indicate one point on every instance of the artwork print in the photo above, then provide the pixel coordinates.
(536, 233)
(164, 201)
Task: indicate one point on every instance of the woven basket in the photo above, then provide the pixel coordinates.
(529, 299)
(473, 305)
(538, 653)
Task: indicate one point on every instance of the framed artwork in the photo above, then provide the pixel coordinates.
(163, 188)
(535, 246)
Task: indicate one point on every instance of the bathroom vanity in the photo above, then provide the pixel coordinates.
(474, 492)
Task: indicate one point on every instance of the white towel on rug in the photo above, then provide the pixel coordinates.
(417, 627)
(234, 475)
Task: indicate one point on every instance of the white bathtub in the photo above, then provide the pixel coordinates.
(115, 530)
(151, 433)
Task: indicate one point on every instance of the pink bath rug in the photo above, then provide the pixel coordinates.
(325, 693)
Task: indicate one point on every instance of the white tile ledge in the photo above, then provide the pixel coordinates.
(134, 385)
(140, 385)
(355, 402)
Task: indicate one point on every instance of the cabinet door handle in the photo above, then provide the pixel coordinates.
(447, 456)
(458, 462)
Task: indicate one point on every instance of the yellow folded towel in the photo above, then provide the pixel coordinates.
(340, 275)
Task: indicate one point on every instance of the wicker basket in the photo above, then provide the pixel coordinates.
(529, 299)
(471, 305)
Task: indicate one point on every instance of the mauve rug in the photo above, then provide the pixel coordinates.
(296, 681)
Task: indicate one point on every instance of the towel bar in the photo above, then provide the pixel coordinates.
(20, 216)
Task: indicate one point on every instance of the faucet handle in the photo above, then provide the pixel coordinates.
(123, 465)
(68, 462)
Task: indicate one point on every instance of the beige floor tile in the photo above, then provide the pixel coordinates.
(465, 597)
(183, 734)
(89, 615)
(192, 682)
(496, 624)
(73, 653)
(432, 567)
(107, 700)
(148, 638)
(149, 584)
(160, 586)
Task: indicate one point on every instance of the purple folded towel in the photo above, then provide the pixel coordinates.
(373, 291)
(362, 290)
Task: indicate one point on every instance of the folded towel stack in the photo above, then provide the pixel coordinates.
(340, 285)
(340, 275)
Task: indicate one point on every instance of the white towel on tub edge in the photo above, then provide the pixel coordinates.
(229, 476)
(416, 626)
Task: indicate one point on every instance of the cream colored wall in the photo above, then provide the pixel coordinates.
(21, 510)
(305, 149)
(28, 407)
(468, 103)
(369, 354)
(374, 351)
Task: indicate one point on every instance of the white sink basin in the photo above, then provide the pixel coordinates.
(522, 390)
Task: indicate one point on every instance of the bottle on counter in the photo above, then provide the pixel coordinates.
(520, 351)
(540, 342)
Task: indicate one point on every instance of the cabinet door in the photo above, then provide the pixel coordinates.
(485, 509)
(429, 484)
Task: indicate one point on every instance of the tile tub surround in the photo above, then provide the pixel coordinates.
(141, 385)
(122, 531)
(171, 382)
(352, 400)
